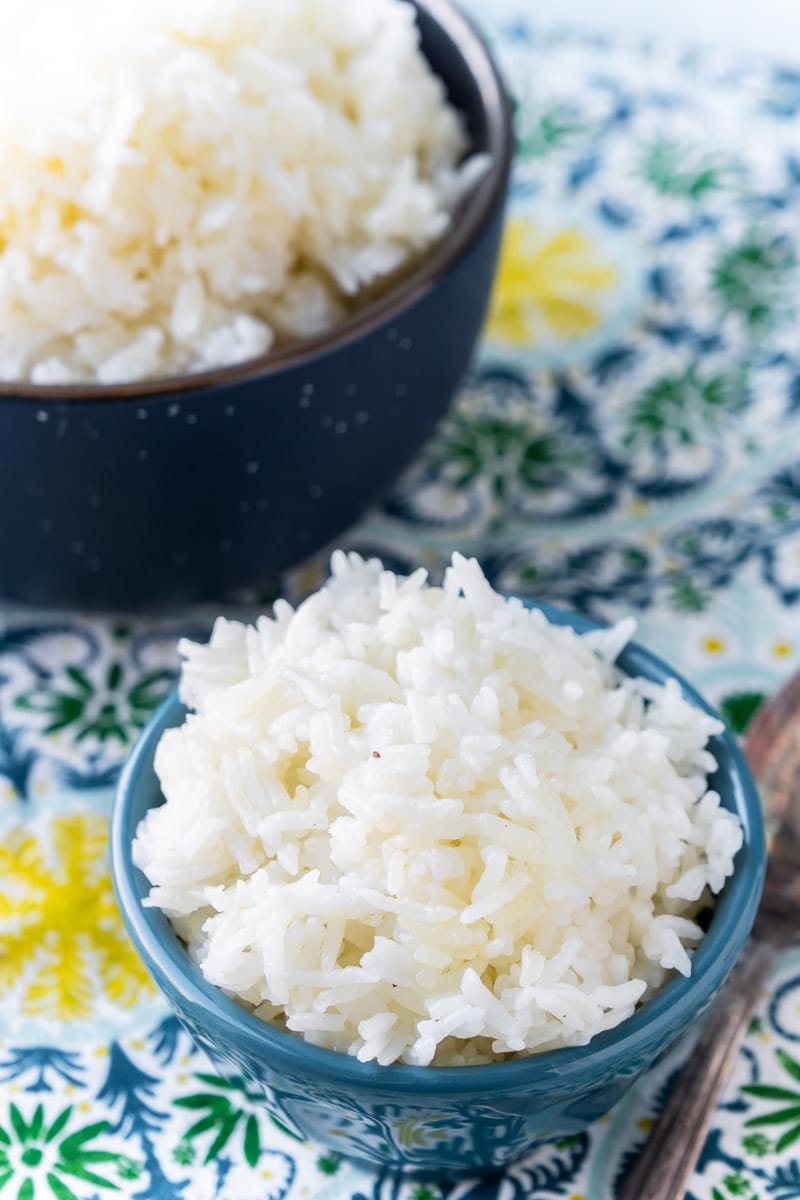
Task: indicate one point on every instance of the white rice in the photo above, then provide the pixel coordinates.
(188, 182)
(422, 824)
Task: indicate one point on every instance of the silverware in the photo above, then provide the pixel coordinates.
(667, 1161)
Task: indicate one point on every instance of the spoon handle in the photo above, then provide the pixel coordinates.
(665, 1166)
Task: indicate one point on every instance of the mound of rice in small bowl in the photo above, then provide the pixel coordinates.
(431, 868)
(427, 826)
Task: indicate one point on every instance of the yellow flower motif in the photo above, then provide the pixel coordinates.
(713, 645)
(417, 1133)
(61, 937)
(548, 284)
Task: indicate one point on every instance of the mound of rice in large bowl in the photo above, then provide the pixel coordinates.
(187, 183)
(422, 824)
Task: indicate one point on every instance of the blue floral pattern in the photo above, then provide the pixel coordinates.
(626, 441)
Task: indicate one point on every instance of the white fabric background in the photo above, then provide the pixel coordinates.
(771, 26)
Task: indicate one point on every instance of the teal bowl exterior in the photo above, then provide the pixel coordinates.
(464, 1120)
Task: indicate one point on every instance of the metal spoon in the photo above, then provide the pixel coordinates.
(668, 1159)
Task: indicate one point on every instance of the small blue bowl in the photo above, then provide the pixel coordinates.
(432, 1121)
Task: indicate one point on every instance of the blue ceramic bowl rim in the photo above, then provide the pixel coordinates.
(480, 207)
(675, 1005)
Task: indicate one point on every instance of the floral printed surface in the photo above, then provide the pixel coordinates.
(628, 440)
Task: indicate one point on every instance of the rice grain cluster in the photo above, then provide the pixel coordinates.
(187, 183)
(423, 824)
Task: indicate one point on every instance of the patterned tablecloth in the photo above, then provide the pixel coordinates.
(628, 440)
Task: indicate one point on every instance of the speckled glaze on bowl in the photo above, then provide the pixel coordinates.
(188, 489)
(467, 1120)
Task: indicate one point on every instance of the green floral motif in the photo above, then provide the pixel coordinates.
(788, 1101)
(329, 1163)
(756, 1144)
(128, 1168)
(225, 1109)
(780, 511)
(500, 452)
(684, 407)
(571, 1142)
(674, 169)
(550, 129)
(116, 710)
(30, 1149)
(184, 1153)
(229, 1106)
(747, 1193)
(739, 708)
(424, 1192)
(737, 1185)
(688, 597)
(757, 279)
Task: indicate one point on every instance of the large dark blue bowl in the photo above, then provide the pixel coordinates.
(188, 489)
(441, 1121)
